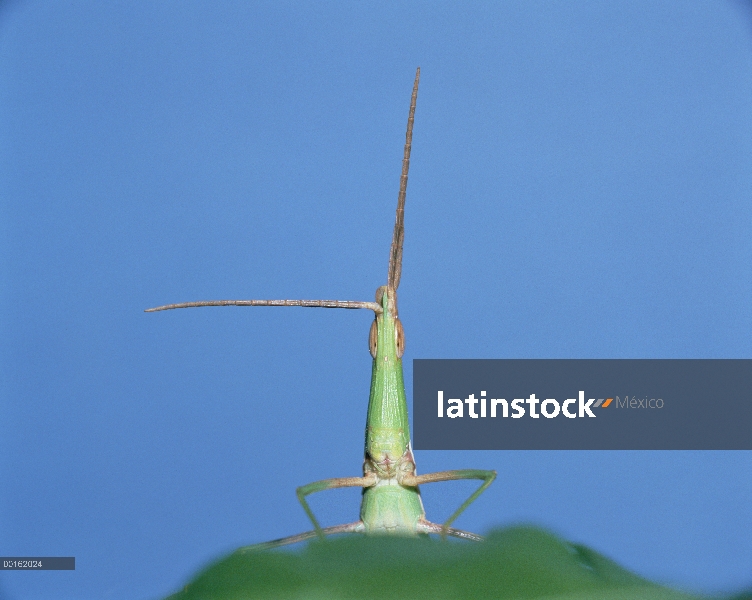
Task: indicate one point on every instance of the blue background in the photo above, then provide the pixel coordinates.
(580, 188)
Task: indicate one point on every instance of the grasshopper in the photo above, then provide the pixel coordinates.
(391, 501)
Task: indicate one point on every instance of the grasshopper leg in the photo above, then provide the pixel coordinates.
(356, 527)
(329, 484)
(428, 527)
(486, 476)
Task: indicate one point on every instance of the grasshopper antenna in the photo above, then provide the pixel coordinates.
(305, 303)
(395, 253)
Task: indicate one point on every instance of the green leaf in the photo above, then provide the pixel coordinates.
(515, 563)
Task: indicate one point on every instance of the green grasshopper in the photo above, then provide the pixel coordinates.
(391, 501)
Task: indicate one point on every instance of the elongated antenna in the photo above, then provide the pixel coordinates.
(304, 303)
(395, 253)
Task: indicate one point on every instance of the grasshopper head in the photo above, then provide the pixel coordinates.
(388, 320)
(386, 446)
(386, 297)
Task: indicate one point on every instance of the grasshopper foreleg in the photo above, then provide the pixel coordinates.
(486, 476)
(330, 484)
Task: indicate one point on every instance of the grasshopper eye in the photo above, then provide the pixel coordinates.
(372, 337)
(399, 337)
